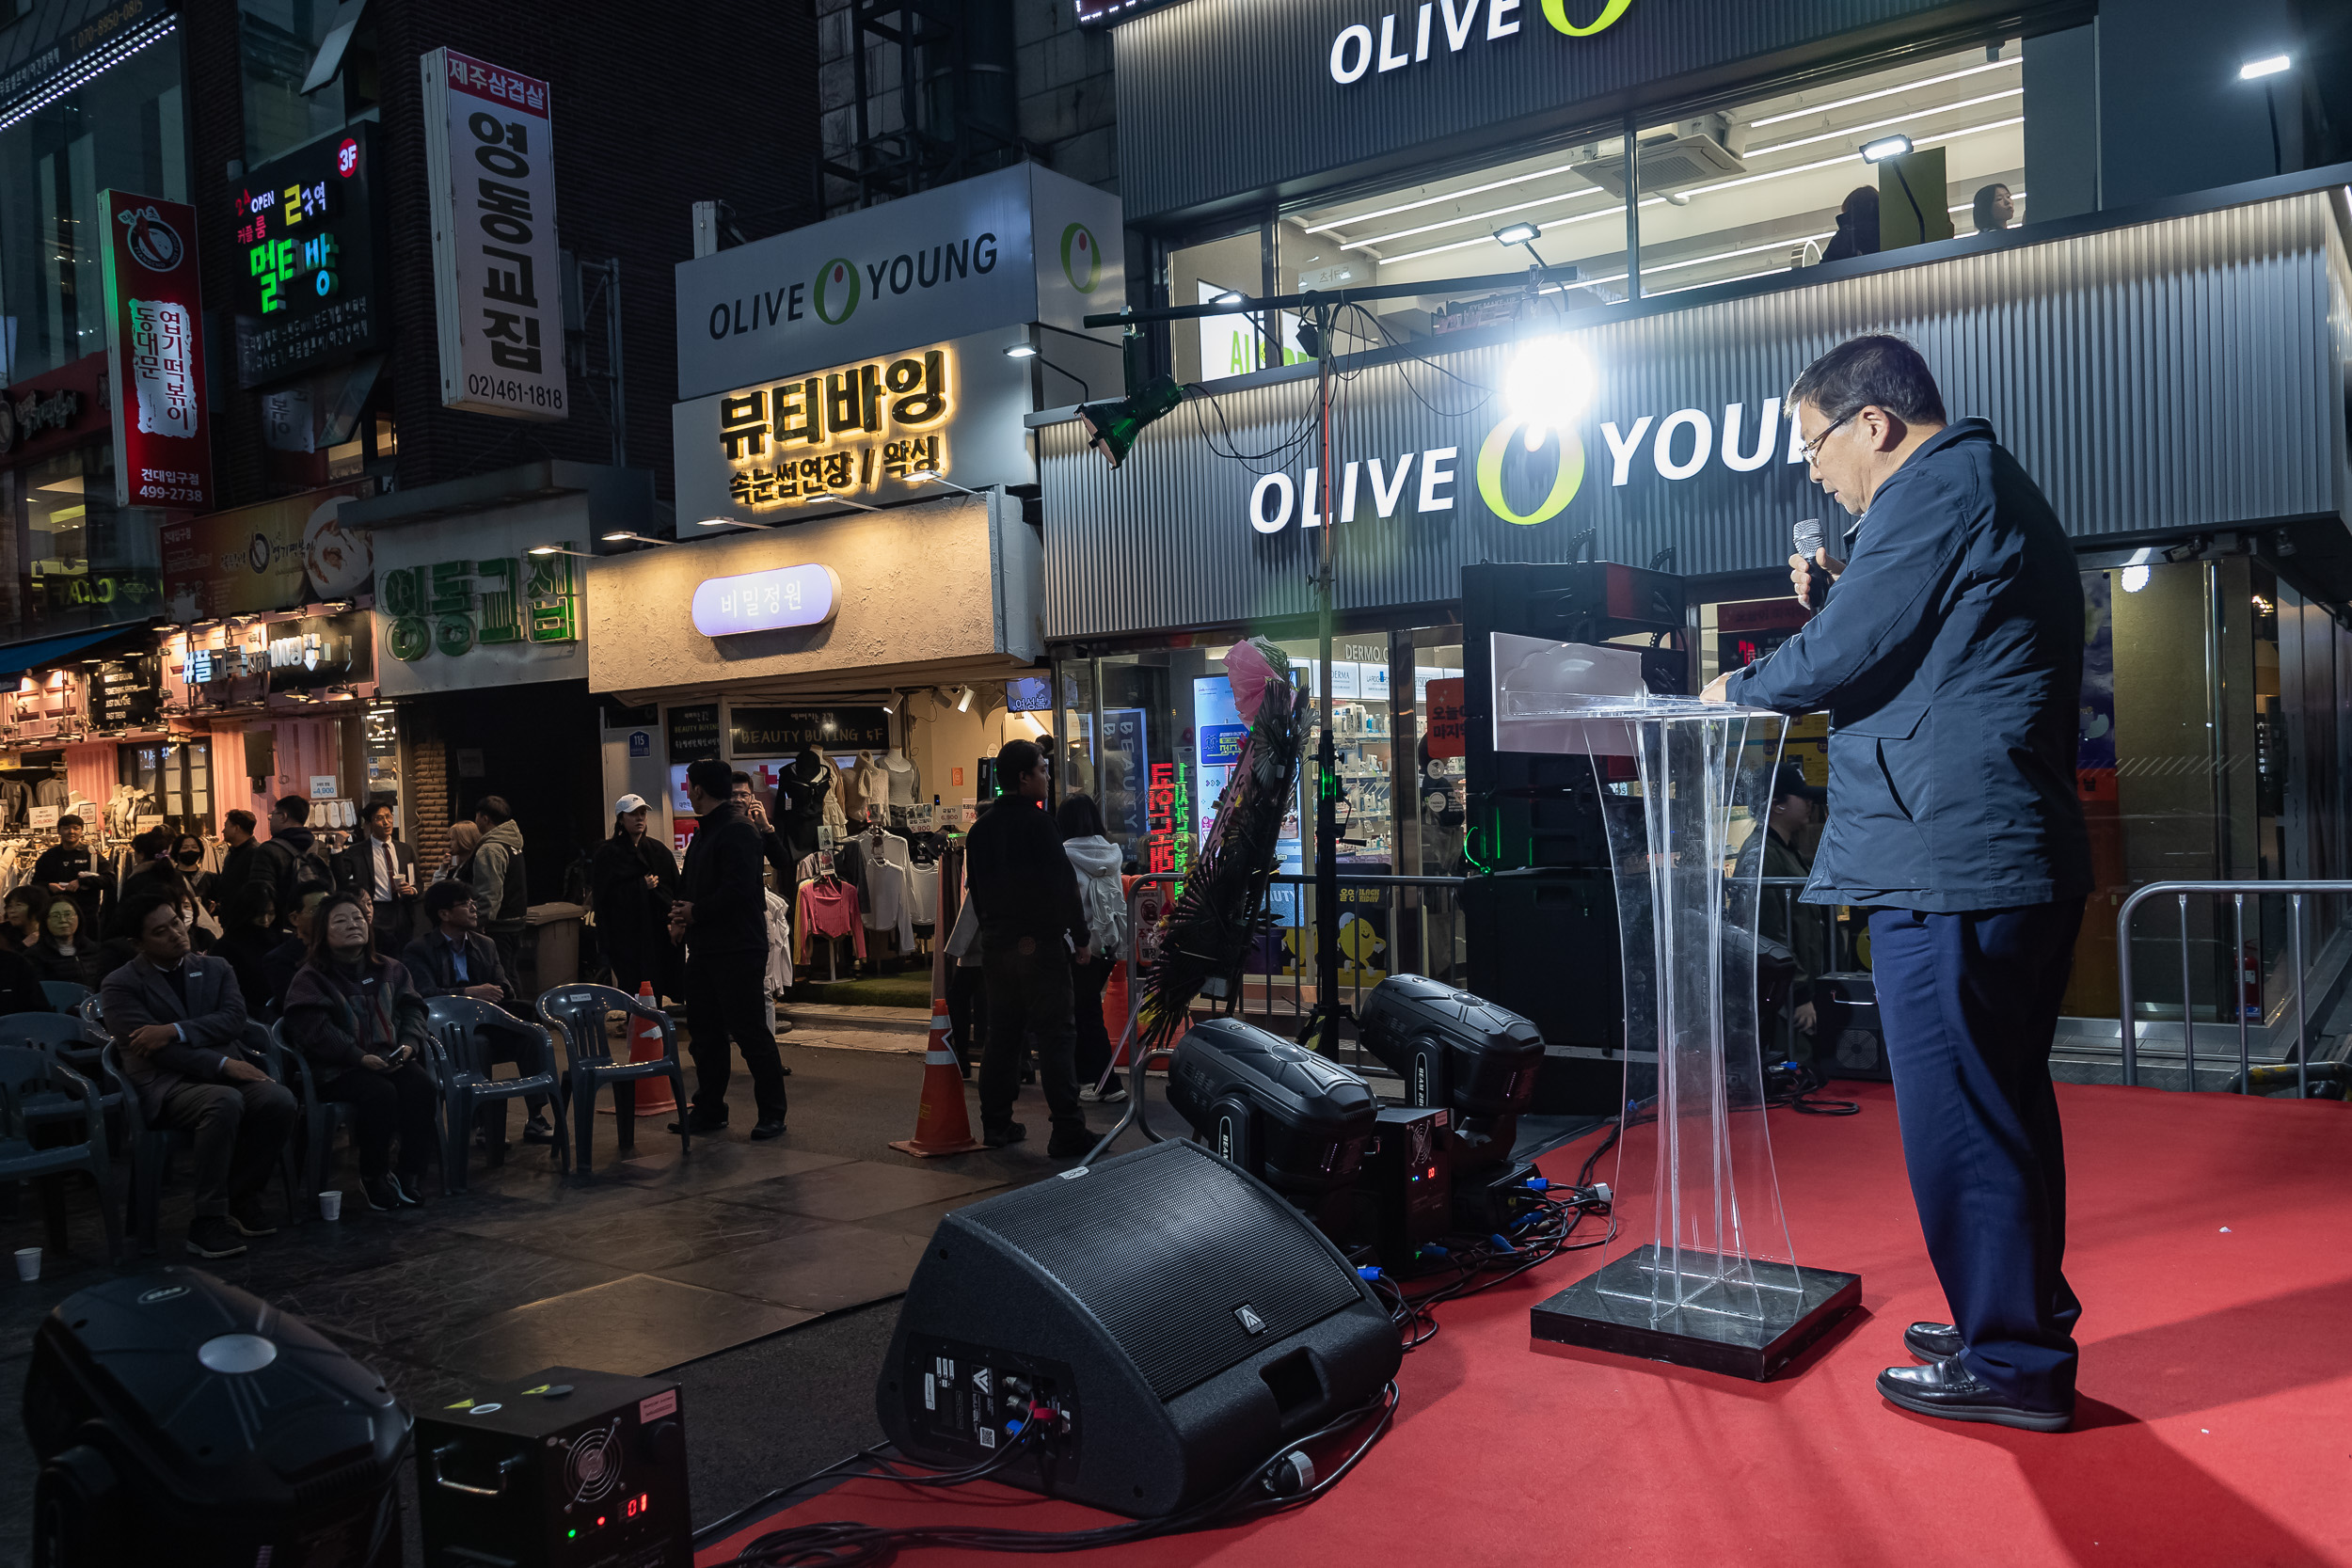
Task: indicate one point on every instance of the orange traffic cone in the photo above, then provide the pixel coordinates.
(644, 1045)
(942, 1126)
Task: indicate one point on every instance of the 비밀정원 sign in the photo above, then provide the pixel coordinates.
(156, 347)
(497, 284)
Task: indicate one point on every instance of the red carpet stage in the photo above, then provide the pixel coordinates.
(2211, 1241)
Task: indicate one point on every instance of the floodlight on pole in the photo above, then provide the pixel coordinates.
(1890, 150)
(1549, 385)
(2269, 65)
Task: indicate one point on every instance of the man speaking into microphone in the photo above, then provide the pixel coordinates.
(1948, 652)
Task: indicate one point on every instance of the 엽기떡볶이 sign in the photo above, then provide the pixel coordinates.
(497, 280)
(155, 347)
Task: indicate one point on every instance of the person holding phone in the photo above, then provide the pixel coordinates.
(359, 1021)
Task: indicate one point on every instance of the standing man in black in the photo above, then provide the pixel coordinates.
(1026, 893)
(69, 870)
(722, 916)
(385, 869)
(236, 867)
(1948, 652)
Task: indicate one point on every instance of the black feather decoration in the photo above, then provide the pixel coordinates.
(1205, 936)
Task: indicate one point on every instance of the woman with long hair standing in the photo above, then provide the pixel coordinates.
(361, 1023)
(633, 880)
(1101, 894)
(465, 838)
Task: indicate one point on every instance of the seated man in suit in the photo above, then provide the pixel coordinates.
(454, 958)
(179, 1021)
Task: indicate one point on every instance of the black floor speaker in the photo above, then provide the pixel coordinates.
(179, 1420)
(1182, 1320)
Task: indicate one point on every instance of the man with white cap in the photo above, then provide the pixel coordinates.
(633, 879)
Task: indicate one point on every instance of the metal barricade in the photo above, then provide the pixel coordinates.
(2295, 892)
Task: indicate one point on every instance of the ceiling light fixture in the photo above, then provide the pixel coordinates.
(1881, 92)
(1846, 132)
(963, 700)
(1020, 351)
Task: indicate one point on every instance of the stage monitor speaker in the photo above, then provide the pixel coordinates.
(179, 1420)
(1183, 1320)
(564, 1468)
(1851, 1040)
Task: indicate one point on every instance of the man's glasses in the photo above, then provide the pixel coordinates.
(1812, 448)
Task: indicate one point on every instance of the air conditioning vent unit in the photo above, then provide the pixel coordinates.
(1695, 153)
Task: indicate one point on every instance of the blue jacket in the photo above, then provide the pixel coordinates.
(1949, 656)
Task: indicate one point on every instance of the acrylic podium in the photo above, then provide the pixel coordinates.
(1700, 1272)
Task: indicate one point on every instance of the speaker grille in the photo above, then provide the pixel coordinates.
(1165, 1246)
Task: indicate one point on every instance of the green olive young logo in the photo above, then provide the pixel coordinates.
(836, 285)
(1081, 252)
(1565, 483)
(1556, 12)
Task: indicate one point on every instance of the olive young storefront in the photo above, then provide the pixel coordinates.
(2173, 375)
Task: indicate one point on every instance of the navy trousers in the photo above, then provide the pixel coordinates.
(1969, 1003)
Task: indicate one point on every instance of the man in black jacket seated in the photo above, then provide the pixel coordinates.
(1026, 893)
(722, 916)
(179, 1021)
(454, 958)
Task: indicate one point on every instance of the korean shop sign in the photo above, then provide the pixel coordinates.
(306, 232)
(861, 430)
(778, 599)
(156, 349)
(489, 150)
(452, 607)
(1005, 250)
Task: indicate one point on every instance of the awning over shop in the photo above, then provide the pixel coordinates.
(17, 658)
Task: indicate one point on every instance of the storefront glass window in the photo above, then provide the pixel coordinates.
(1757, 187)
(278, 41)
(125, 128)
(177, 776)
(1445, 227)
(72, 559)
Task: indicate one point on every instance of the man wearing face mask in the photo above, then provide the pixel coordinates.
(1947, 650)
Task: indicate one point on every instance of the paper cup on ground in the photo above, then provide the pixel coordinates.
(331, 1206)
(28, 1263)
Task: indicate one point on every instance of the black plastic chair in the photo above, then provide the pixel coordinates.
(66, 996)
(151, 1148)
(459, 1023)
(321, 1118)
(578, 1012)
(38, 1091)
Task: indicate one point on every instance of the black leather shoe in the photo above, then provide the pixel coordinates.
(701, 1125)
(1949, 1390)
(1075, 1147)
(1932, 1341)
(997, 1137)
(772, 1127)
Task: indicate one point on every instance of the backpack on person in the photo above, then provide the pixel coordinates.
(298, 874)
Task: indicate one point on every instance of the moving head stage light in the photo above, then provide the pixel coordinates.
(179, 1420)
(1291, 1118)
(1465, 1055)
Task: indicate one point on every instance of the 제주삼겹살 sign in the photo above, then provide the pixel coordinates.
(156, 347)
(497, 278)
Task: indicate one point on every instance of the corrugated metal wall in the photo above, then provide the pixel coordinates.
(2172, 375)
(1222, 98)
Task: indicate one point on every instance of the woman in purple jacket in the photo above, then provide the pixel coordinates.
(361, 1023)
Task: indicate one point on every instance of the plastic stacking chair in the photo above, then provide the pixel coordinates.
(579, 1012)
(466, 1086)
(66, 996)
(321, 1118)
(34, 1087)
(92, 1012)
(62, 1035)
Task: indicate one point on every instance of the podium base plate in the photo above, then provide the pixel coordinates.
(1717, 1328)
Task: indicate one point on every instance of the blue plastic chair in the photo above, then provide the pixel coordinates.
(38, 1092)
(92, 1012)
(321, 1118)
(62, 1035)
(578, 1012)
(459, 1026)
(64, 995)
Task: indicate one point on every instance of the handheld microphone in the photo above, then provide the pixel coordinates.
(1808, 538)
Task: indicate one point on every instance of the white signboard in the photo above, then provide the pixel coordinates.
(461, 603)
(1023, 244)
(498, 285)
(864, 431)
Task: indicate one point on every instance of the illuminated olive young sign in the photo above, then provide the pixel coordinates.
(1452, 25)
